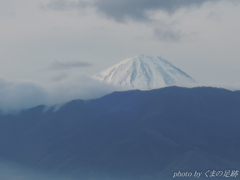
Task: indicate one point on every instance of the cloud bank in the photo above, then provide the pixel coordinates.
(122, 10)
(19, 95)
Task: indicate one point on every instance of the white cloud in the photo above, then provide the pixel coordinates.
(77, 86)
(31, 38)
(18, 95)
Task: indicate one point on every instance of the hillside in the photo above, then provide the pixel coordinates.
(129, 135)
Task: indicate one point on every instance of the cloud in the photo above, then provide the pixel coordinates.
(168, 35)
(122, 10)
(63, 5)
(18, 95)
(68, 65)
(59, 77)
(77, 86)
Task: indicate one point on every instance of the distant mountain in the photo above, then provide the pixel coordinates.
(144, 72)
(131, 135)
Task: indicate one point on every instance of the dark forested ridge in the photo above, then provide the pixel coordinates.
(132, 134)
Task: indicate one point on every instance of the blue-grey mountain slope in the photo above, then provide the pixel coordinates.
(129, 135)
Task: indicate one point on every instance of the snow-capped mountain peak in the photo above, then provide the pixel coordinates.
(144, 72)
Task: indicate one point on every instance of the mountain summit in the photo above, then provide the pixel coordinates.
(144, 72)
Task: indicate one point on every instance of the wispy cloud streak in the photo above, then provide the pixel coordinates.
(67, 65)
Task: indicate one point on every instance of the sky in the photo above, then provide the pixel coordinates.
(50, 48)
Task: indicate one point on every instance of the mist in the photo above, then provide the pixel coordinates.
(22, 94)
(13, 171)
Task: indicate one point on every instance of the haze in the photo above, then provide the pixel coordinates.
(48, 42)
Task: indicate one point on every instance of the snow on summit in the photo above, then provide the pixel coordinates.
(144, 72)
